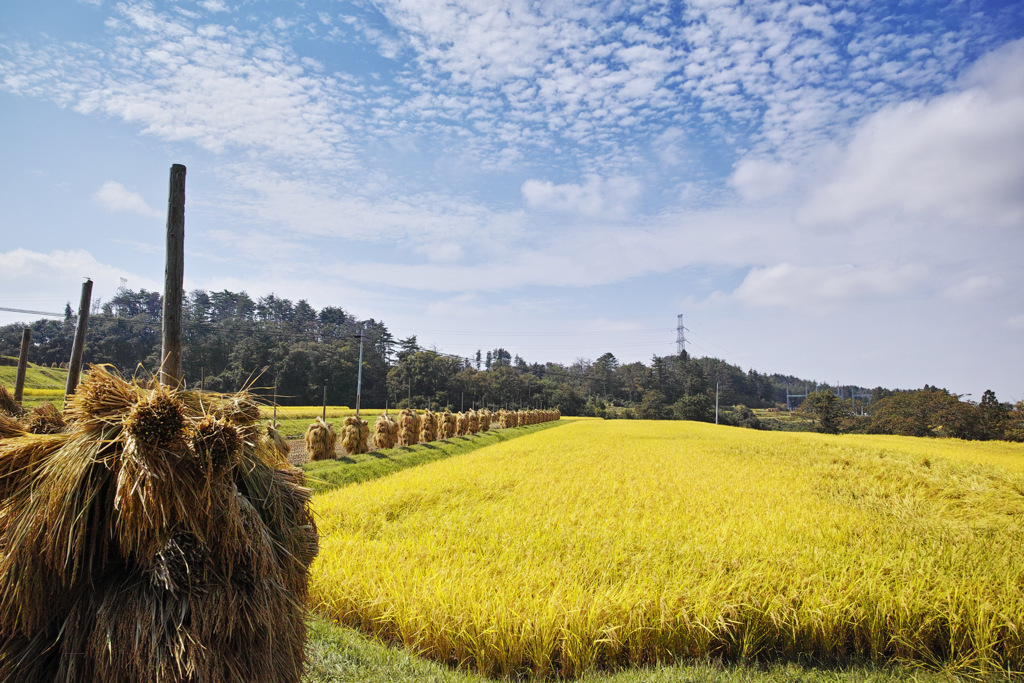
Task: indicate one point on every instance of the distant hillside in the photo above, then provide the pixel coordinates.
(36, 377)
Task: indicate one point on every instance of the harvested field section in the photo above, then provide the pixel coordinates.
(611, 544)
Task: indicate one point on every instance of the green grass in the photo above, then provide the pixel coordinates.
(325, 475)
(42, 384)
(337, 654)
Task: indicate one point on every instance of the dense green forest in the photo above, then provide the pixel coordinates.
(276, 347)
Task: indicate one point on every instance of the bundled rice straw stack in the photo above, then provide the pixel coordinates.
(385, 432)
(282, 447)
(474, 421)
(354, 435)
(160, 537)
(44, 419)
(428, 427)
(8, 406)
(320, 440)
(461, 424)
(446, 425)
(408, 427)
(485, 418)
(522, 418)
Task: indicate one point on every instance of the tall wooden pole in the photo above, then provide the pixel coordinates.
(174, 274)
(78, 346)
(19, 383)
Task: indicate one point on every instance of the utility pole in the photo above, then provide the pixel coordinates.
(78, 346)
(359, 376)
(324, 415)
(174, 273)
(19, 383)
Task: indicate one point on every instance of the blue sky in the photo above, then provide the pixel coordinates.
(830, 190)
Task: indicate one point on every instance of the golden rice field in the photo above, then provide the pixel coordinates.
(609, 544)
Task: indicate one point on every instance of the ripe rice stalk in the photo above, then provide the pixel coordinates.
(8, 406)
(320, 440)
(160, 537)
(408, 427)
(428, 426)
(385, 432)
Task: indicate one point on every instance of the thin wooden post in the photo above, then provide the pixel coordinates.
(324, 415)
(78, 346)
(19, 383)
(174, 274)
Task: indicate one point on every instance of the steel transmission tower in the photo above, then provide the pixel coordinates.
(680, 335)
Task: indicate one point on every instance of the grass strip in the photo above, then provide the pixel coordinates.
(339, 654)
(327, 475)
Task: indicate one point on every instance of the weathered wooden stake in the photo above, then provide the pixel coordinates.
(78, 346)
(174, 274)
(19, 383)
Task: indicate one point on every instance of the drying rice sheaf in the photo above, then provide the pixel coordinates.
(8, 406)
(320, 440)
(428, 426)
(355, 434)
(159, 537)
(461, 424)
(621, 543)
(446, 425)
(485, 418)
(473, 422)
(385, 432)
(408, 428)
(283, 449)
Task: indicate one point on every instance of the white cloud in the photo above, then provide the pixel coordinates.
(116, 197)
(823, 288)
(594, 198)
(214, 5)
(59, 275)
(953, 158)
(975, 287)
(756, 179)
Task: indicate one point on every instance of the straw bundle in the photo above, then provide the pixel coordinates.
(282, 447)
(474, 421)
(354, 435)
(10, 428)
(446, 425)
(320, 440)
(44, 419)
(485, 417)
(408, 428)
(385, 432)
(159, 538)
(428, 427)
(523, 418)
(8, 406)
(461, 424)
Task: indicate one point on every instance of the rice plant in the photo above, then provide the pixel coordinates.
(615, 544)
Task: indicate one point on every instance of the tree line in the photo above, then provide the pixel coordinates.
(302, 356)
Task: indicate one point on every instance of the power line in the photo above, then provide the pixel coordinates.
(46, 313)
